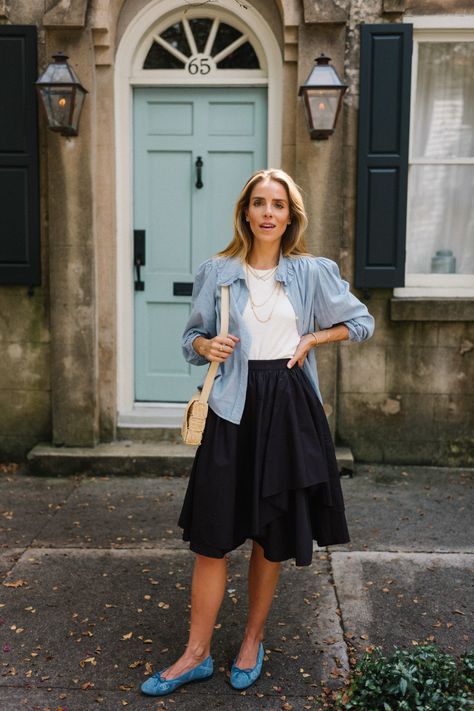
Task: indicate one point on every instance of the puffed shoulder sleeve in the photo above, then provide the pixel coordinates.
(334, 303)
(202, 319)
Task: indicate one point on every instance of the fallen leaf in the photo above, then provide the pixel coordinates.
(136, 664)
(15, 584)
(88, 660)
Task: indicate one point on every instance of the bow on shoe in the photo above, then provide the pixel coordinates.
(243, 678)
(157, 686)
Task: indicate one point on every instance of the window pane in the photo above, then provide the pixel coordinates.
(176, 37)
(243, 57)
(200, 26)
(440, 216)
(224, 37)
(444, 109)
(159, 58)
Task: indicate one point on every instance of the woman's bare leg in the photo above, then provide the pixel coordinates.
(207, 592)
(262, 581)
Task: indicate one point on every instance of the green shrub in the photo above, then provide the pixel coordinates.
(422, 679)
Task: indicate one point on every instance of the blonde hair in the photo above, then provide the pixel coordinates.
(293, 242)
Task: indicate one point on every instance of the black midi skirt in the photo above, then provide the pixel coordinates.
(272, 478)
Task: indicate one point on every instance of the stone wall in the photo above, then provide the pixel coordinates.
(407, 394)
(25, 392)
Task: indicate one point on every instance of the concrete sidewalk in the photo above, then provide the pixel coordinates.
(96, 584)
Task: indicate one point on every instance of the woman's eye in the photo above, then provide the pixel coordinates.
(279, 204)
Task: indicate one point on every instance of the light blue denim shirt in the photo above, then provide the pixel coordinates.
(315, 289)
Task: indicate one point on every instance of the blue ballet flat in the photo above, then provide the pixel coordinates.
(156, 686)
(243, 678)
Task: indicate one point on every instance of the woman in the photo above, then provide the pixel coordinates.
(266, 468)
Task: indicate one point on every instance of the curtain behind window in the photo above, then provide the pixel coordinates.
(441, 195)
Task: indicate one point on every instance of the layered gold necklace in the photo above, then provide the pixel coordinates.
(275, 290)
(262, 277)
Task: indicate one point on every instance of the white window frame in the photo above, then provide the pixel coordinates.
(435, 28)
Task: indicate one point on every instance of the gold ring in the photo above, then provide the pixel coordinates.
(221, 347)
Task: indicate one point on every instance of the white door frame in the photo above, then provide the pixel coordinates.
(127, 75)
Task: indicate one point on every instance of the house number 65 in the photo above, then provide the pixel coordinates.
(199, 65)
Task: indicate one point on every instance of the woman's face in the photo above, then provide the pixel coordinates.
(268, 213)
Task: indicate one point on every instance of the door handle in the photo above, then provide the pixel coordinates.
(139, 257)
(199, 164)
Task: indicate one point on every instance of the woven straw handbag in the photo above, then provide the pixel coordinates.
(195, 414)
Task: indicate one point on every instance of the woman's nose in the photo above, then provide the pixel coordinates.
(268, 209)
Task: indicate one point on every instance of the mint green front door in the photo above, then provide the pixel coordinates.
(193, 151)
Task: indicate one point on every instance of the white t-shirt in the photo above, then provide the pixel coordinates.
(278, 337)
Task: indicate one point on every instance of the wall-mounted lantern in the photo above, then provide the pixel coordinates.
(62, 96)
(322, 96)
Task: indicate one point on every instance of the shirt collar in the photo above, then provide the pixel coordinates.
(234, 269)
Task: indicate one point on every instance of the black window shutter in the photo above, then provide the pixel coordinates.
(20, 261)
(384, 113)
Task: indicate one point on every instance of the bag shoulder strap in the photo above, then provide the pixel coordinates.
(211, 373)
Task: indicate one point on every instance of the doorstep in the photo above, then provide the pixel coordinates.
(129, 457)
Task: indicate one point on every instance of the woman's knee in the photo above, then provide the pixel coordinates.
(210, 560)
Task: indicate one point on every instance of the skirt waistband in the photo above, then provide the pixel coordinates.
(271, 364)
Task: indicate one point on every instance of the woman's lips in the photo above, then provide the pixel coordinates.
(267, 226)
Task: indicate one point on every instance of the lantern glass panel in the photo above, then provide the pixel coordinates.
(323, 105)
(324, 75)
(58, 104)
(80, 96)
(57, 73)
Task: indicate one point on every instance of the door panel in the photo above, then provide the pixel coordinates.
(169, 210)
(184, 224)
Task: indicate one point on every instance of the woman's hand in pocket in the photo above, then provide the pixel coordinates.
(302, 350)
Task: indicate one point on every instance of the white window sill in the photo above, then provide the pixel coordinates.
(434, 292)
(439, 286)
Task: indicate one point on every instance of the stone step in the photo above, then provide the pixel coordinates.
(130, 458)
